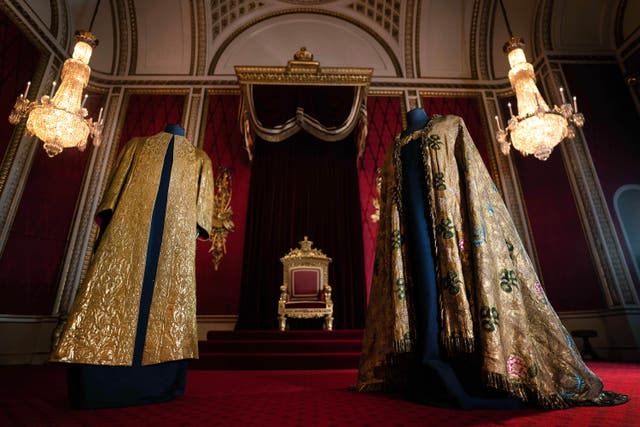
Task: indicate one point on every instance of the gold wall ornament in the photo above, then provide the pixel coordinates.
(222, 223)
(375, 217)
(60, 119)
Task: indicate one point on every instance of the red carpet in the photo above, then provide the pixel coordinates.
(260, 350)
(36, 396)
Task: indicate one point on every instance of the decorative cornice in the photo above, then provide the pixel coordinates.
(297, 75)
(216, 91)
(265, 17)
(397, 93)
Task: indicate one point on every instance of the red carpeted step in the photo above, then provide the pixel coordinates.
(271, 361)
(343, 334)
(257, 350)
(280, 346)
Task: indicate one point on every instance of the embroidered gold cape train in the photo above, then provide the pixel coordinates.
(102, 324)
(491, 301)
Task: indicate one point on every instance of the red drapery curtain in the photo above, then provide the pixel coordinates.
(300, 187)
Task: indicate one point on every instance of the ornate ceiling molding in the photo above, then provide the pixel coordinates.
(225, 44)
(199, 35)
(120, 11)
(225, 13)
(411, 31)
(133, 25)
(473, 43)
(385, 13)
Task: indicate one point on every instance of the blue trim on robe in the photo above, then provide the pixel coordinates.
(433, 380)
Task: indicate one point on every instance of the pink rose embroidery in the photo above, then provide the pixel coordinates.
(538, 288)
(515, 367)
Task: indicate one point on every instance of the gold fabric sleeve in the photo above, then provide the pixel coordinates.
(205, 193)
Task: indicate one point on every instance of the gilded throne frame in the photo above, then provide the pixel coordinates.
(305, 292)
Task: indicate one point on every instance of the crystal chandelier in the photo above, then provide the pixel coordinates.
(536, 129)
(60, 119)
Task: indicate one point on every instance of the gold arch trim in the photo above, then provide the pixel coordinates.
(266, 17)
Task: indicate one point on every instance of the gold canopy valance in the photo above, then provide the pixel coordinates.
(326, 102)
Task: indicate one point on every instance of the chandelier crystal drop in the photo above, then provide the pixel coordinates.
(535, 129)
(60, 119)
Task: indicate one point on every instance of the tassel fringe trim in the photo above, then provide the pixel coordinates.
(523, 392)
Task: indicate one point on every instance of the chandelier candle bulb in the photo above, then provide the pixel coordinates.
(26, 90)
(498, 122)
(100, 114)
(84, 101)
(510, 110)
(53, 89)
(564, 101)
(575, 104)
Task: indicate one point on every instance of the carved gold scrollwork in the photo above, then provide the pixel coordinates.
(375, 217)
(222, 216)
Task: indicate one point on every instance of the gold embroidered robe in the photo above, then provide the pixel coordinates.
(101, 328)
(491, 301)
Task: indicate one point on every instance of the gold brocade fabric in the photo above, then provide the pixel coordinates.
(101, 328)
(491, 301)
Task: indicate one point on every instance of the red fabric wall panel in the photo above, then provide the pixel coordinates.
(34, 252)
(611, 130)
(568, 273)
(18, 61)
(148, 114)
(384, 123)
(219, 291)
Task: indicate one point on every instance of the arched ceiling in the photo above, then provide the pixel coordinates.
(427, 39)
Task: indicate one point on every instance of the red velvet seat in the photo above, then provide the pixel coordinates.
(306, 292)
